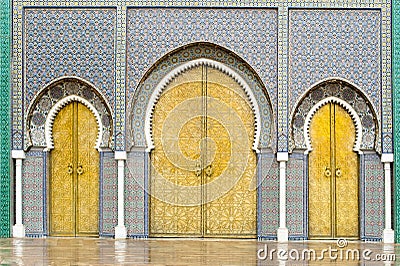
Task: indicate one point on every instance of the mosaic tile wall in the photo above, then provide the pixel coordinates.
(283, 7)
(5, 37)
(268, 196)
(250, 33)
(136, 200)
(34, 194)
(296, 196)
(108, 194)
(24, 83)
(69, 42)
(396, 115)
(334, 43)
(372, 194)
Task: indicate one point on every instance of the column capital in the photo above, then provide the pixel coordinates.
(387, 158)
(120, 155)
(282, 156)
(18, 154)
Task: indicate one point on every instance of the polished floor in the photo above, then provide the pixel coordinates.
(95, 251)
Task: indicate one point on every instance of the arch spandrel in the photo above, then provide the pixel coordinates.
(348, 96)
(172, 65)
(53, 97)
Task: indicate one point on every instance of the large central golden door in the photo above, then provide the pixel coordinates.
(74, 180)
(203, 166)
(333, 175)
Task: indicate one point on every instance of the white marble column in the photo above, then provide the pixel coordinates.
(388, 232)
(18, 228)
(282, 158)
(120, 229)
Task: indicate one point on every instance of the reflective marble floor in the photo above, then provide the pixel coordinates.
(105, 251)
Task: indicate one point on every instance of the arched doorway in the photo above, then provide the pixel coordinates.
(333, 175)
(74, 174)
(202, 176)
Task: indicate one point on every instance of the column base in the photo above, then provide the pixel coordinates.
(120, 232)
(283, 234)
(18, 230)
(388, 236)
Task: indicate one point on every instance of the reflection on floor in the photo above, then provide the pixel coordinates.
(94, 251)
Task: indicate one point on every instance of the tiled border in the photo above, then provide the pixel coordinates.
(5, 118)
(396, 115)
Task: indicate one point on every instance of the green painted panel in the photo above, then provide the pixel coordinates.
(5, 118)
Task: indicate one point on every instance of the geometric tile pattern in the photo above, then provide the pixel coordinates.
(34, 194)
(268, 196)
(373, 198)
(136, 114)
(335, 43)
(5, 17)
(353, 44)
(136, 206)
(69, 42)
(296, 197)
(147, 43)
(108, 194)
(396, 114)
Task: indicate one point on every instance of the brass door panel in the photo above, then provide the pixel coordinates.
(74, 183)
(62, 205)
(333, 175)
(167, 218)
(319, 184)
(203, 152)
(233, 214)
(346, 171)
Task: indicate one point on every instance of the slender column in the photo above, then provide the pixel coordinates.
(282, 158)
(120, 229)
(18, 228)
(388, 232)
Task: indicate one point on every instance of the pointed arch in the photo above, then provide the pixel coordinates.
(55, 95)
(353, 114)
(187, 66)
(347, 95)
(178, 60)
(57, 108)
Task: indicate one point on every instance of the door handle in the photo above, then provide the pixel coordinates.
(197, 170)
(338, 172)
(328, 172)
(70, 169)
(209, 170)
(79, 170)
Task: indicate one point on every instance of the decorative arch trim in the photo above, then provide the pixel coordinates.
(187, 66)
(353, 114)
(57, 108)
(55, 81)
(332, 79)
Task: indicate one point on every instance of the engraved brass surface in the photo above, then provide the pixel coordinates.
(74, 181)
(204, 153)
(333, 195)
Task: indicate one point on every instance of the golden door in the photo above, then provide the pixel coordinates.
(333, 175)
(74, 179)
(197, 153)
